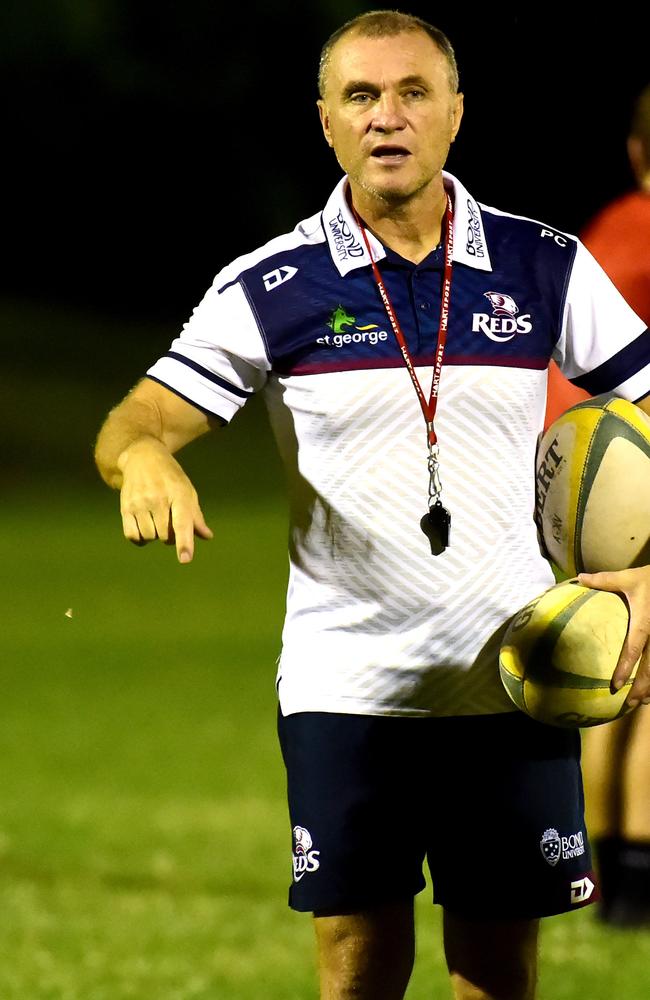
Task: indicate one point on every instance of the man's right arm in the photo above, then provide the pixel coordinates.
(134, 454)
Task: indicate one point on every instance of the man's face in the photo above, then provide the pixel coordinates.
(389, 112)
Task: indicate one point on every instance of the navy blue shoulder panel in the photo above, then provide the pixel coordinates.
(313, 320)
(519, 305)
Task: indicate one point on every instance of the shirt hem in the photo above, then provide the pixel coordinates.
(360, 706)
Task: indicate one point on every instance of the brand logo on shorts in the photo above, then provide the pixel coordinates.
(304, 858)
(581, 890)
(554, 847)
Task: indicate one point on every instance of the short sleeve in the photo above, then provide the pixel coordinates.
(219, 360)
(604, 346)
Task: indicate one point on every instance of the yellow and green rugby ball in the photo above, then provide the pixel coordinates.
(559, 653)
(593, 487)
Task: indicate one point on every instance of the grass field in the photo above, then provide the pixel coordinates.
(143, 835)
(144, 842)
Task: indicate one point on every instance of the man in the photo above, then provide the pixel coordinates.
(398, 737)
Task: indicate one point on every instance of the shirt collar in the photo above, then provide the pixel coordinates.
(348, 249)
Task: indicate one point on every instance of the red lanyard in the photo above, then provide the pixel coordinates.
(428, 406)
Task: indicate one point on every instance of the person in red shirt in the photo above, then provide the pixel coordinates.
(619, 238)
(616, 757)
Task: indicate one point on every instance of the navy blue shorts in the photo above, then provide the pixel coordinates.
(494, 803)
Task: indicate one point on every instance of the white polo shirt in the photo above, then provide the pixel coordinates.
(375, 624)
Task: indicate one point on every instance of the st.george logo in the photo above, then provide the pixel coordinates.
(340, 320)
(505, 320)
(278, 277)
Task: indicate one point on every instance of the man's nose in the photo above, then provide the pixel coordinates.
(388, 116)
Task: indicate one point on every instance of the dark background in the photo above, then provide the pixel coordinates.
(150, 142)
(147, 144)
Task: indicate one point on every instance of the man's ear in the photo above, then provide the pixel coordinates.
(457, 114)
(325, 121)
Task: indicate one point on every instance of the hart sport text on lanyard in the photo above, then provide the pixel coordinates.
(435, 523)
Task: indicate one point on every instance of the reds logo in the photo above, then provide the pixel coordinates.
(304, 858)
(504, 322)
(502, 305)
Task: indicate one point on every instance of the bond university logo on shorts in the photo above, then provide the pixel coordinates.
(550, 846)
(304, 858)
(555, 848)
(505, 321)
(345, 331)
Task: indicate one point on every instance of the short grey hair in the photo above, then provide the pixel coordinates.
(386, 24)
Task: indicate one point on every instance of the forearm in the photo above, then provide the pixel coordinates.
(133, 422)
(151, 422)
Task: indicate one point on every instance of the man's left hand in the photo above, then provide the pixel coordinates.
(634, 585)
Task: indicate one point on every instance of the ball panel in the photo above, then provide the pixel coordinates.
(617, 445)
(592, 709)
(614, 502)
(592, 495)
(551, 623)
(512, 682)
(559, 653)
(584, 640)
(628, 412)
(559, 483)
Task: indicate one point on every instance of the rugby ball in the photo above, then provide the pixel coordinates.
(592, 487)
(559, 653)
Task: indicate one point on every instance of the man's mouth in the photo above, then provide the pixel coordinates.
(390, 153)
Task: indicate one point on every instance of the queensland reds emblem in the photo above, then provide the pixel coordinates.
(304, 858)
(505, 322)
(502, 305)
(550, 846)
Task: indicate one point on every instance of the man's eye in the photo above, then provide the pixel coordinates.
(360, 98)
(415, 93)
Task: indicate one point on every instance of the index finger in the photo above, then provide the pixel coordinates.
(182, 523)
